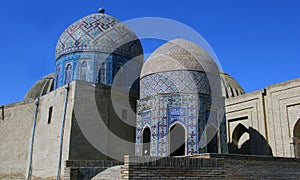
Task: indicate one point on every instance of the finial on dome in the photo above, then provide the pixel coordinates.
(101, 10)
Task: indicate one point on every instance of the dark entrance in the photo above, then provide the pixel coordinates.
(238, 146)
(146, 141)
(212, 140)
(177, 140)
(297, 139)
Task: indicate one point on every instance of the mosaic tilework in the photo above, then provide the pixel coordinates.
(204, 111)
(223, 134)
(174, 82)
(146, 109)
(160, 112)
(166, 111)
(99, 33)
(76, 60)
(101, 68)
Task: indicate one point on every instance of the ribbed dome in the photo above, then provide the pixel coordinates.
(230, 87)
(178, 54)
(99, 33)
(41, 87)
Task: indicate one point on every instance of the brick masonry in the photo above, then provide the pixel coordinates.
(210, 166)
(87, 169)
(270, 117)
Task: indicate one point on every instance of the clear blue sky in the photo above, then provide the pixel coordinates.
(256, 41)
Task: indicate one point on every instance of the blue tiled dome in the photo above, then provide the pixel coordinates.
(99, 33)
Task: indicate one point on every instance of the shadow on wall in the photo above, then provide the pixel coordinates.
(248, 141)
(297, 139)
(80, 147)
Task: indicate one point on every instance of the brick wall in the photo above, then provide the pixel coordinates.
(136, 167)
(270, 114)
(210, 166)
(15, 131)
(87, 169)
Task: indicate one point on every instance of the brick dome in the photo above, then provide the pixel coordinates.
(230, 87)
(41, 87)
(178, 54)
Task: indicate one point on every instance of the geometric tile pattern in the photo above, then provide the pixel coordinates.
(75, 60)
(223, 138)
(178, 54)
(154, 112)
(99, 33)
(174, 88)
(102, 68)
(178, 81)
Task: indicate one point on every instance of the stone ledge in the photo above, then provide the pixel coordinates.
(92, 163)
(183, 162)
(246, 157)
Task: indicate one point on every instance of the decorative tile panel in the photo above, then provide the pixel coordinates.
(99, 33)
(174, 82)
(102, 69)
(190, 110)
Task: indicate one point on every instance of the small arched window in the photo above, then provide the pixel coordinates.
(68, 74)
(84, 71)
(102, 73)
(57, 76)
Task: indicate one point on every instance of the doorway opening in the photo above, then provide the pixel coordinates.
(146, 141)
(177, 140)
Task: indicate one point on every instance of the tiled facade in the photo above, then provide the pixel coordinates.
(175, 97)
(174, 82)
(92, 67)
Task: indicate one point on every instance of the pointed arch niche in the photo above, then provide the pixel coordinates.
(68, 73)
(240, 140)
(297, 138)
(177, 140)
(146, 141)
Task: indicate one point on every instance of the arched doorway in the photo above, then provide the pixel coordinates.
(146, 141)
(297, 138)
(240, 141)
(212, 139)
(177, 140)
